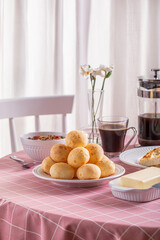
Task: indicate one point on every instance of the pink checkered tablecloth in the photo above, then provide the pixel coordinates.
(34, 209)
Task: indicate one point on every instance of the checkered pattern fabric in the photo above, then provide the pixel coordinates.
(34, 209)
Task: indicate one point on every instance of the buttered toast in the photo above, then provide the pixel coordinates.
(152, 158)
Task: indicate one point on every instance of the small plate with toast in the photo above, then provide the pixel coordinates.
(142, 157)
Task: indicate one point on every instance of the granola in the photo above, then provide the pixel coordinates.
(44, 138)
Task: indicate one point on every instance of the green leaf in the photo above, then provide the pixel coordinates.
(108, 74)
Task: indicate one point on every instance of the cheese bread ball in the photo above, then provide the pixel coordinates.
(46, 164)
(78, 156)
(88, 171)
(62, 171)
(76, 139)
(107, 166)
(95, 151)
(59, 152)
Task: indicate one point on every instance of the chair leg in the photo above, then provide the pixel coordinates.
(12, 135)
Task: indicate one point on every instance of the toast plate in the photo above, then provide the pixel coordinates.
(37, 171)
(132, 156)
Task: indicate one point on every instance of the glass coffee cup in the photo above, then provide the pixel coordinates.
(113, 134)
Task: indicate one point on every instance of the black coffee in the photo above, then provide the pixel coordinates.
(112, 136)
(149, 129)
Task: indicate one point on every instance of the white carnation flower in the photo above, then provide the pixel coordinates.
(98, 72)
(106, 68)
(85, 70)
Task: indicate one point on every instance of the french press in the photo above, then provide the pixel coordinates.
(149, 110)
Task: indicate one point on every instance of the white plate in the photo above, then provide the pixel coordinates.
(37, 171)
(133, 194)
(132, 156)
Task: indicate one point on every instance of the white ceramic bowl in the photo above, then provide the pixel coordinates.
(133, 194)
(37, 150)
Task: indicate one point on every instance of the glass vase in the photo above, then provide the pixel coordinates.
(95, 107)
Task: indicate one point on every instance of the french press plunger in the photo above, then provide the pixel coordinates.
(149, 110)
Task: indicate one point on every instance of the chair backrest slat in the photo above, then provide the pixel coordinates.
(64, 123)
(19, 107)
(37, 123)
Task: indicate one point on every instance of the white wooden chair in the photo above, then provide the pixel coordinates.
(34, 106)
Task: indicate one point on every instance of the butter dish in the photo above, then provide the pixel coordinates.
(133, 194)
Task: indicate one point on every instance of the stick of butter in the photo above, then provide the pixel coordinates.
(141, 179)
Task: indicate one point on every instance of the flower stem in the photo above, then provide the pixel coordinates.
(94, 113)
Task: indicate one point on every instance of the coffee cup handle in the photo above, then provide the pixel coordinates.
(133, 136)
